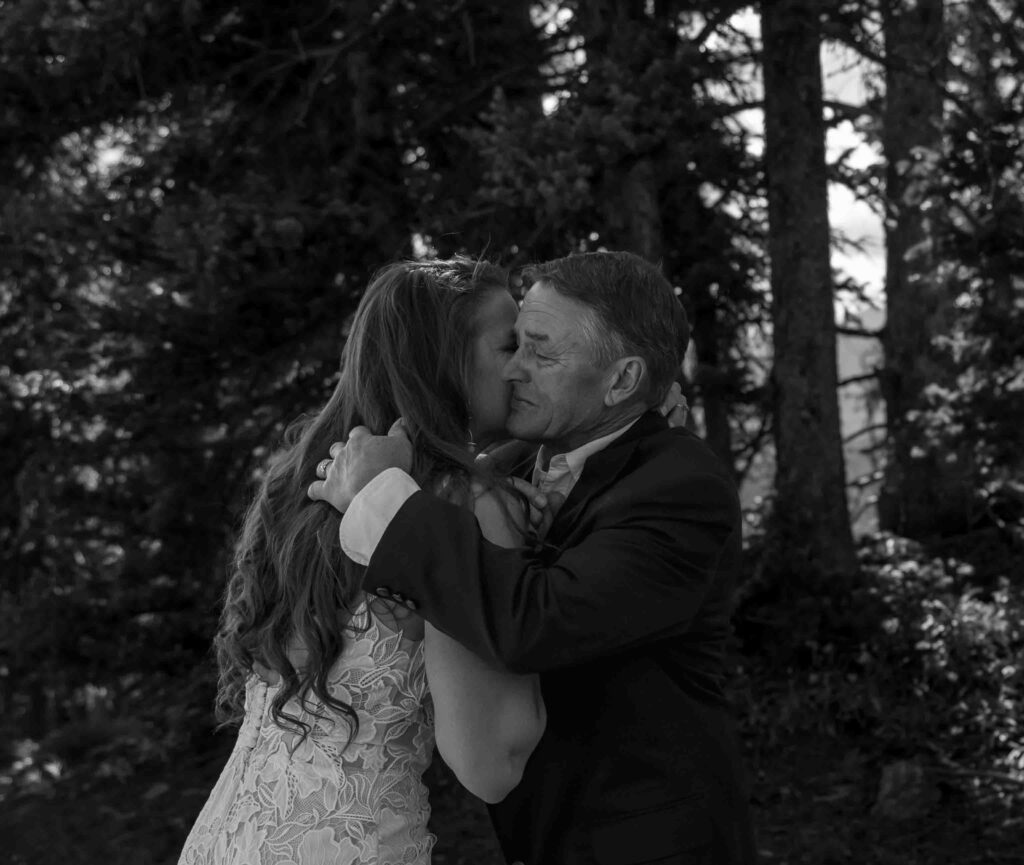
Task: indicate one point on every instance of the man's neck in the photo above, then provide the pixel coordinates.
(571, 442)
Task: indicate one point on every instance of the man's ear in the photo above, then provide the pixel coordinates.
(627, 375)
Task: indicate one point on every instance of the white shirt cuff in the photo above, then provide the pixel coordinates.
(371, 512)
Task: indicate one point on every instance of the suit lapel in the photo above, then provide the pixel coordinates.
(599, 472)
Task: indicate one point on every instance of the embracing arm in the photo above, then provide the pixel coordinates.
(657, 553)
(487, 720)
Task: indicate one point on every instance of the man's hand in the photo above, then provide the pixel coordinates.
(675, 407)
(353, 464)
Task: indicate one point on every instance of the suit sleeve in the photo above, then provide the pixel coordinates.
(639, 575)
(364, 522)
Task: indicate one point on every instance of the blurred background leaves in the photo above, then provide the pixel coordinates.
(194, 193)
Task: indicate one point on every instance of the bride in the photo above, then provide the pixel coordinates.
(330, 686)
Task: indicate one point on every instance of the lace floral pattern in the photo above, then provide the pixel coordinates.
(319, 802)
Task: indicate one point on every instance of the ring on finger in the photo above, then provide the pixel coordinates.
(322, 466)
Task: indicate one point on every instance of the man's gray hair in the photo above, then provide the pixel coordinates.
(634, 311)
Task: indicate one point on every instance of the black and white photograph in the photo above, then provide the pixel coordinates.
(483, 432)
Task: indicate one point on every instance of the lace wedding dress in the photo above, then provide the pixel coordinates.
(319, 801)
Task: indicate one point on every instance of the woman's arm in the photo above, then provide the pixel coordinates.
(487, 721)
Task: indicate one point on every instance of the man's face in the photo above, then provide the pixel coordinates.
(557, 390)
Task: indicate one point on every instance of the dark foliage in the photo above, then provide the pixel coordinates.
(192, 197)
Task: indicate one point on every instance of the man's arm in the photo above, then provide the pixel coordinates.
(640, 575)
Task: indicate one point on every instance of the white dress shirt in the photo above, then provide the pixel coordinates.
(565, 469)
(373, 508)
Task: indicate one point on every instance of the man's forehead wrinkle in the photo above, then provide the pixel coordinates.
(557, 345)
(540, 315)
(536, 317)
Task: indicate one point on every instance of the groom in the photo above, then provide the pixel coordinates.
(624, 610)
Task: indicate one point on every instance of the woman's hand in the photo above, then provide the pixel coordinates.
(675, 408)
(542, 506)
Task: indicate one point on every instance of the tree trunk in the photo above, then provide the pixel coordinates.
(643, 233)
(613, 32)
(633, 208)
(711, 381)
(809, 536)
(920, 496)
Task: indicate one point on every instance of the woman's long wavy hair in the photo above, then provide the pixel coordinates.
(292, 590)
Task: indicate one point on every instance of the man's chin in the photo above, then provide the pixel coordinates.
(519, 428)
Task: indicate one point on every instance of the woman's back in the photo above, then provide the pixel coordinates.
(284, 799)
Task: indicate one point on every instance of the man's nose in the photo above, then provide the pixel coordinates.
(513, 369)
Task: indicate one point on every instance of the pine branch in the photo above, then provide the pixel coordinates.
(715, 21)
(854, 331)
(855, 379)
(845, 111)
(875, 427)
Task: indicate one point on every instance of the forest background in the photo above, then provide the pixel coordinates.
(193, 194)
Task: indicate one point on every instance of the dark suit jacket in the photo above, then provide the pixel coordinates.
(625, 615)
